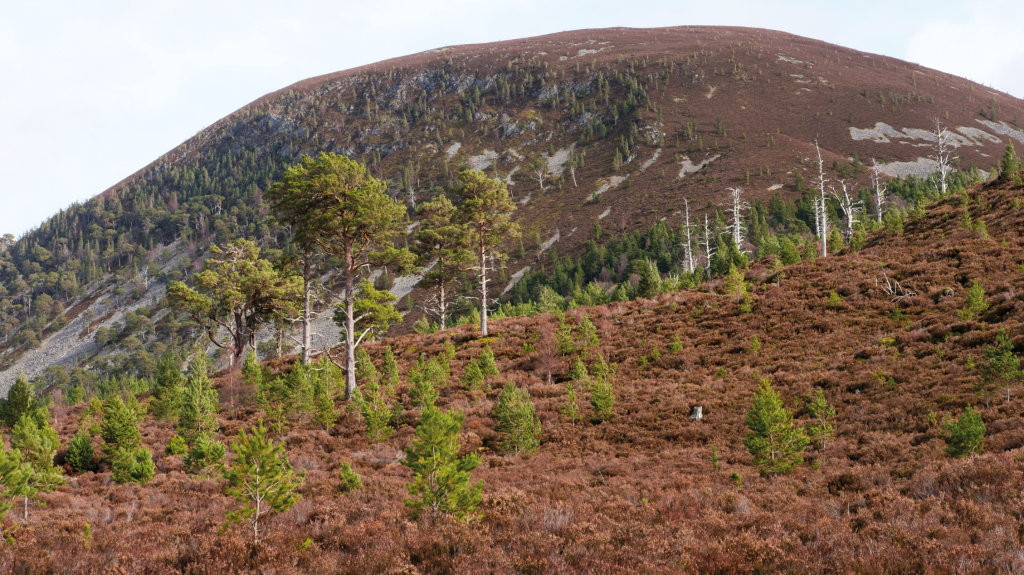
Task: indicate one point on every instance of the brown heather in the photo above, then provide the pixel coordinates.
(638, 494)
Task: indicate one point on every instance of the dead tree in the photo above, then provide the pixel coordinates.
(709, 247)
(880, 189)
(893, 288)
(821, 215)
(944, 152)
(689, 263)
(850, 207)
(736, 228)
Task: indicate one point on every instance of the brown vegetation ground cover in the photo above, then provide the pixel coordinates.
(639, 494)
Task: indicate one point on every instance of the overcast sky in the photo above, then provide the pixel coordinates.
(93, 91)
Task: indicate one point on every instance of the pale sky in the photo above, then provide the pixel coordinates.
(91, 91)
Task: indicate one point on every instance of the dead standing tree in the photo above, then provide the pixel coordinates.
(944, 152)
(821, 204)
(848, 205)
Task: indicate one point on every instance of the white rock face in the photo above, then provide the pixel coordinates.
(483, 161)
(690, 168)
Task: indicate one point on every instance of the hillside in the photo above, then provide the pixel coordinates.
(663, 116)
(640, 493)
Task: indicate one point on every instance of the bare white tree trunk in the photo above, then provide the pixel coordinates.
(709, 247)
(690, 266)
(736, 208)
(944, 152)
(822, 217)
(850, 207)
(880, 189)
(483, 287)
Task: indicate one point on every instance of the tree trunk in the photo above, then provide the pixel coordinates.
(307, 337)
(350, 326)
(442, 306)
(483, 286)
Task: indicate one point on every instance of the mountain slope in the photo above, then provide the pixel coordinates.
(689, 110)
(641, 492)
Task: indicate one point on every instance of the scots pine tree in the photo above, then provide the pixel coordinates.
(566, 345)
(472, 377)
(168, 387)
(197, 416)
(15, 481)
(324, 413)
(1002, 367)
(120, 427)
(1010, 168)
(602, 395)
(176, 446)
(517, 421)
(823, 413)
(975, 303)
(774, 441)
(376, 412)
(425, 377)
(488, 366)
(649, 285)
(389, 379)
(80, 453)
(441, 479)
(260, 477)
(486, 210)
(571, 408)
(38, 445)
(587, 335)
(19, 401)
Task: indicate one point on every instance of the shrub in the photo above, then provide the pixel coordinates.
(473, 378)
(350, 480)
(132, 466)
(975, 303)
(205, 453)
(176, 446)
(965, 434)
(676, 346)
